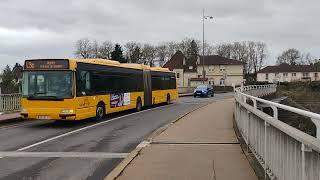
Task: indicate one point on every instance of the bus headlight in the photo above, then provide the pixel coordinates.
(67, 111)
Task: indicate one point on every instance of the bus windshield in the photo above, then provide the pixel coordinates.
(50, 85)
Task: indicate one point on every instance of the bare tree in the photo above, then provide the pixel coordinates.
(184, 45)
(290, 56)
(83, 48)
(136, 55)
(240, 53)
(148, 54)
(162, 54)
(172, 48)
(224, 50)
(94, 50)
(130, 47)
(106, 49)
(208, 49)
(261, 54)
(306, 58)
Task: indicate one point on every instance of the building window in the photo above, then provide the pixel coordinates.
(305, 74)
(222, 68)
(221, 82)
(285, 74)
(294, 74)
(315, 75)
(178, 75)
(267, 77)
(211, 82)
(276, 74)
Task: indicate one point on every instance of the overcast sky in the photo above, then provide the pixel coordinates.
(49, 29)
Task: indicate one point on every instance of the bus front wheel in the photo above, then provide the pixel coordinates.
(100, 112)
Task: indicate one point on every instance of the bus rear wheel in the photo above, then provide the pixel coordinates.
(139, 105)
(100, 112)
(168, 99)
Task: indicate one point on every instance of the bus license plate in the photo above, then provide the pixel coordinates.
(43, 117)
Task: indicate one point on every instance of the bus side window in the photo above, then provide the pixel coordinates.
(84, 83)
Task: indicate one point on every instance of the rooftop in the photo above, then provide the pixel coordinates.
(176, 61)
(289, 68)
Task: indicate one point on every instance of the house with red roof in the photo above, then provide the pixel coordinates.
(288, 73)
(218, 71)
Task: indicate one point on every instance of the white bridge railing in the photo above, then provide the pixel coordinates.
(10, 102)
(286, 153)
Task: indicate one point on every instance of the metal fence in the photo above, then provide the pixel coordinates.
(10, 102)
(285, 152)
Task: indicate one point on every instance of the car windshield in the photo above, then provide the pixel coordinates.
(202, 87)
(47, 84)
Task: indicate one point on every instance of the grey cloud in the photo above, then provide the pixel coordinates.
(44, 28)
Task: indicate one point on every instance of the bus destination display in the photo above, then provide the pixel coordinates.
(47, 64)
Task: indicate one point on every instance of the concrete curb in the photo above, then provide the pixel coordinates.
(11, 119)
(116, 172)
(6, 121)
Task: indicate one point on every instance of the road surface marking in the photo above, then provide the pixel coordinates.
(65, 155)
(85, 128)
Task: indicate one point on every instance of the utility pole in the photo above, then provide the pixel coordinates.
(203, 43)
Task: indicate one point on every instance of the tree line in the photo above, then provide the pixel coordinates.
(293, 56)
(132, 52)
(11, 79)
(253, 54)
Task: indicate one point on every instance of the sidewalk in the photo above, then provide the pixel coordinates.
(202, 145)
(9, 117)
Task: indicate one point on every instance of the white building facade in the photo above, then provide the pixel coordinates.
(219, 71)
(288, 73)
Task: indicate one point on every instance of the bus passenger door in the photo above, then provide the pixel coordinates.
(147, 87)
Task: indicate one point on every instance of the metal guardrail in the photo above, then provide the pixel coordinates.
(10, 102)
(285, 152)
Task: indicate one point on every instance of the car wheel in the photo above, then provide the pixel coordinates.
(100, 112)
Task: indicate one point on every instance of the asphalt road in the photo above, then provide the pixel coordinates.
(83, 150)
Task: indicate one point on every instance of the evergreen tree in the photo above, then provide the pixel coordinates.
(193, 51)
(17, 72)
(117, 54)
(7, 84)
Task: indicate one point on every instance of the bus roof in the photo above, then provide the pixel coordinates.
(160, 69)
(73, 64)
(116, 63)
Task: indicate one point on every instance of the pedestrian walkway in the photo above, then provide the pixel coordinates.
(9, 116)
(202, 145)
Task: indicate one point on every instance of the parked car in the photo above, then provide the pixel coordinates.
(203, 91)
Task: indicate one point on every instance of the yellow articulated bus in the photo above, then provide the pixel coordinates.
(76, 89)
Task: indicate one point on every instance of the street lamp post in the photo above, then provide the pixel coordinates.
(203, 42)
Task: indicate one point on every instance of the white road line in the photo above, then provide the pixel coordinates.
(85, 128)
(64, 155)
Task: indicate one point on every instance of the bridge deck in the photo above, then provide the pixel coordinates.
(202, 145)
